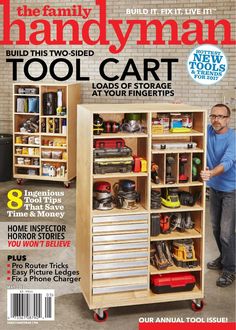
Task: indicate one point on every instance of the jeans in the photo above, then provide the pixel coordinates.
(222, 210)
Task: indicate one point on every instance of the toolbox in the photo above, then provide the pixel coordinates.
(28, 90)
(112, 152)
(113, 165)
(174, 282)
(104, 148)
(109, 143)
(174, 145)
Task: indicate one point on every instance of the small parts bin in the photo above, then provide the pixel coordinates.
(6, 157)
(174, 282)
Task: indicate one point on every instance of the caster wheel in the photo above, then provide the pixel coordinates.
(97, 318)
(197, 307)
(67, 184)
(19, 181)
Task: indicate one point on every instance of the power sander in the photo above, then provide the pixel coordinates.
(102, 197)
(183, 253)
(170, 197)
(126, 195)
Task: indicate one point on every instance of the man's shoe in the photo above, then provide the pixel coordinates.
(215, 264)
(225, 279)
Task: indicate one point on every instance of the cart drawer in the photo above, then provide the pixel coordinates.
(120, 288)
(126, 255)
(136, 226)
(123, 264)
(123, 237)
(120, 218)
(132, 280)
(120, 274)
(121, 246)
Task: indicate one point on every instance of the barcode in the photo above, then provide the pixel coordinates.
(30, 305)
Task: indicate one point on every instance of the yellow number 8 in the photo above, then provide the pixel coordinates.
(15, 202)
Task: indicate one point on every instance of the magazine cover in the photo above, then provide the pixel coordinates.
(117, 164)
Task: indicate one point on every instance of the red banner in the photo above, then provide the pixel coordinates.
(187, 326)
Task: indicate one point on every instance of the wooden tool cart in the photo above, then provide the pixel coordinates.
(44, 142)
(114, 246)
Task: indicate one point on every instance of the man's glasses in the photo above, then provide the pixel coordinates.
(214, 117)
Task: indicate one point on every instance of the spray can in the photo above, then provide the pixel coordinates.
(63, 128)
(62, 170)
(59, 98)
(58, 171)
(52, 171)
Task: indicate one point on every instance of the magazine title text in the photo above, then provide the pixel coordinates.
(77, 20)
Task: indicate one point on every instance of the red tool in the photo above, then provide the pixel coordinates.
(165, 224)
(137, 164)
(182, 161)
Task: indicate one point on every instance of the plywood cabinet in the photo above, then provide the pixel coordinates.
(115, 246)
(45, 131)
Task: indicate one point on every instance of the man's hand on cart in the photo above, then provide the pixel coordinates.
(206, 174)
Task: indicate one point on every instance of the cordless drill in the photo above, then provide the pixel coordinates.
(196, 163)
(182, 161)
(154, 173)
(169, 162)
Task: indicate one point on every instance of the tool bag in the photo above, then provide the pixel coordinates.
(21, 105)
(49, 103)
(33, 104)
(188, 199)
(160, 256)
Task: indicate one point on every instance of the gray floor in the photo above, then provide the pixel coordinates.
(71, 309)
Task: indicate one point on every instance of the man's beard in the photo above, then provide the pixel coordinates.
(218, 128)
